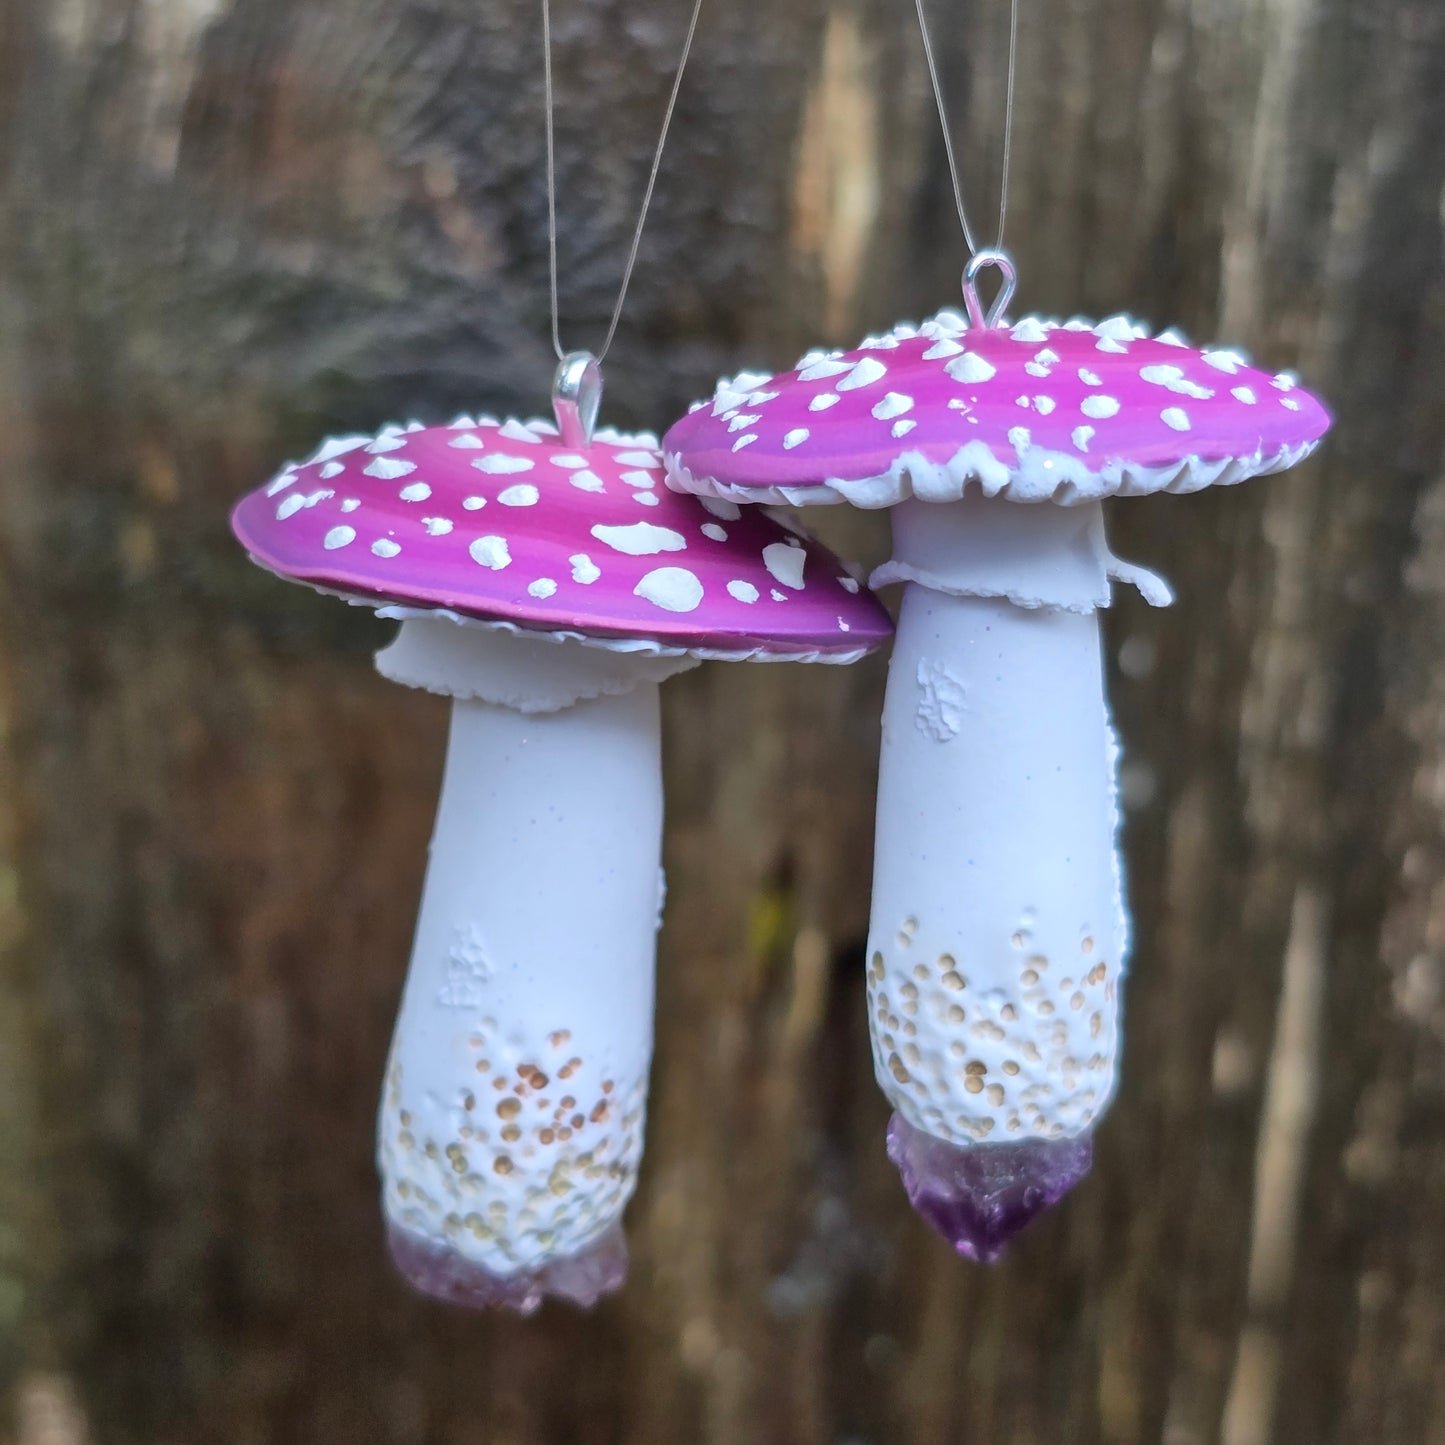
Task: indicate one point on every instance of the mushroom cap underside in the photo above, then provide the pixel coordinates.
(499, 522)
(1039, 411)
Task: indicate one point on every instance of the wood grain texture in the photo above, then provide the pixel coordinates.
(230, 226)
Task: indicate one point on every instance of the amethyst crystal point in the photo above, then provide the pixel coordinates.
(580, 1279)
(978, 1196)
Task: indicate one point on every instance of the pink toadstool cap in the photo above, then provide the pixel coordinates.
(1034, 412)
(503, 523)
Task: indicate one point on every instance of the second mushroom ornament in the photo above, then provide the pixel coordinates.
(999, 930)
(546, 582)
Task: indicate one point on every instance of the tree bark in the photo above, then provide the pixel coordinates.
(229, 227)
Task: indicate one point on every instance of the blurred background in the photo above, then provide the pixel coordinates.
(231, 227)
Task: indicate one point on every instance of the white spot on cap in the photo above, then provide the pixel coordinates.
(640, 478)
(542, 587)
(828, 366)
(1022, 401)
(1044, 405)
(1036, 368)
(468, 441)
(848, 584)
(491, 552)
(499, 464)
(903, 427)
(390, 468)
(843, 626)
(823, 401)
(743, 591)
(1107, 343)
(474, 504)
(721, 507)
(1029, 329)
(713, 530)
(971, 367)
(944, 346)
(524, 494)
(1229, 361)
(646, 499)
(385, 547)
(1289, 403)
(1083, 435)
(674, 589)
(746, 441)
(350, 504)
(640, 539)
(785, 563)
(796, 438)
(1101, 408)
(776, 595)
(517, 432)
(586, 481)
(1172, 377)
(1090, 378)
(567, 462)
(1176, 417)
(338, 537)
(1244, 394)
(1019, 438)
(386, 444)
(290, 506)
(865, 373)
(742, 420)
(332, 469)
(636, 459)
(415, 492)
(437, 526)
(1285, 381)
(584, 569)
(894, 404)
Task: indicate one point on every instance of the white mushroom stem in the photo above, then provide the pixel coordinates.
(511, 1122)
(998, 932)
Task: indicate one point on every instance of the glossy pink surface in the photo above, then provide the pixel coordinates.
(1074, 400)
(500, 521)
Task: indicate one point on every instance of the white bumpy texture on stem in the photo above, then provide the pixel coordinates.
(511, 1123)
(998, 930)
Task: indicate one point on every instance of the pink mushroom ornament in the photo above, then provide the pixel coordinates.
(999, 930)
(546, 581)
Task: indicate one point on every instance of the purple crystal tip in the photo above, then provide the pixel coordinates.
(580, 1279)
(978, 1196)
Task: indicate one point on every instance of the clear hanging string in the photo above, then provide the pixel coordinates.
(563, 356)
(995, 255)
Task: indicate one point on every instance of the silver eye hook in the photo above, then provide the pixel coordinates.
(576, 397)
(978, 319)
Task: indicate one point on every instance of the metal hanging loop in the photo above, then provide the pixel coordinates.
(577, 397)
(978, 319)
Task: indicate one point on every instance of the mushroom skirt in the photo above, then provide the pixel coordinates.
(999, 933)
(547, 590)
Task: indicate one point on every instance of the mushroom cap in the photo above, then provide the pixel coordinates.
(499, 523)
(1038, 411)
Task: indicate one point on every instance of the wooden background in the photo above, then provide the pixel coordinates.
(228, 227)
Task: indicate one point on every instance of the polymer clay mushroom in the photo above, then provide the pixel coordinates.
(546, 585)
(999, 929)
